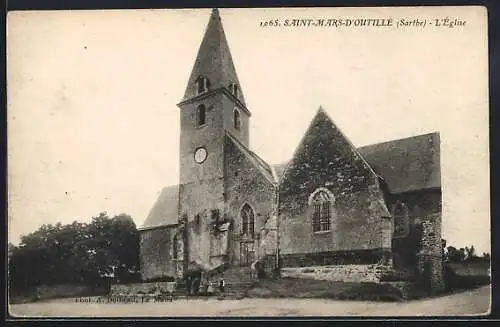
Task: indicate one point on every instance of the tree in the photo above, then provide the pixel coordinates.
(470, 253)
(444, 251)
(455, 255)
(75, 253)
(115, 243)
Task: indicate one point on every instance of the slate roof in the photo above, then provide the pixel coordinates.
(165, 210)
(214, 60)
(407, 164)
(257, 161)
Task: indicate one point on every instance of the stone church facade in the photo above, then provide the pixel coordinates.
(353, 210)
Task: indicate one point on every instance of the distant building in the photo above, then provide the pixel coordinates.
(354, 209)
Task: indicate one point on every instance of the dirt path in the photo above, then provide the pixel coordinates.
(474, 302)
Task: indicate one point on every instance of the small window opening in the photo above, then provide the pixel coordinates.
(201, 115)
(175, 246)
(236, 119)
(234, 90)
(202, 85)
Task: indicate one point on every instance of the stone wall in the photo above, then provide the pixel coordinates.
(156, 252)
(245, 184)
(430, 259)
(243, 133)
(201, 190)
(357, 257)
(343, 273)
(325, 158)
(140, 288)
(200, 202)
(209, 135)
(420, 250)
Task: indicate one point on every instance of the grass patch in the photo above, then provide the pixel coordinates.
(466, 275)
(372, 292)
(49, 292)
(310, 288)
(470, 268)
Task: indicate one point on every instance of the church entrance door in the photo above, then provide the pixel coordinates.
(247, 253)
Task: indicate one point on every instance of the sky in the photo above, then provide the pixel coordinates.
(93, 124)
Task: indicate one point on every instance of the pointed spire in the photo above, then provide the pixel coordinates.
(215, 12)
(214, 60)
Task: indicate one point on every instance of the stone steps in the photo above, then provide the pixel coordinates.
(237, 282)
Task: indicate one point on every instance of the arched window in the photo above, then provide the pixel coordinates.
(247, 220)
(401, 221)
(202, 85)
(175, 246)
(321, 202)
(236, 119)
(201, 115)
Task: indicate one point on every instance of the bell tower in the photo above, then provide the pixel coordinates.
(213, 103)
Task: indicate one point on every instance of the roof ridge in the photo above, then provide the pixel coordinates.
(248, 149)
(275, 174)
(161, 214)
(252, 157)
(401, 139)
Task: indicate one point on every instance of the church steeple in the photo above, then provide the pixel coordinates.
(214, 67)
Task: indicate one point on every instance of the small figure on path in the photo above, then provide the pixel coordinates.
(188, 285)
(253, 270)
(196, 286)
(203, 288)
(221, 285)
(170, 290)
(210, 289)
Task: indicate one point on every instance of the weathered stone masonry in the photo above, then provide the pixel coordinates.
(359, 222)
(246, 184)
(384, 200)
(156, 252)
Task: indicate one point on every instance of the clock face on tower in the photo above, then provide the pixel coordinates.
(200, 155)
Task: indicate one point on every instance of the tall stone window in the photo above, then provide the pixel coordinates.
(236, 119)
(175, 246)
(201, 115)
(202, 85)
(247, 220)
(401, 220)
(321, 202)
(197, 222)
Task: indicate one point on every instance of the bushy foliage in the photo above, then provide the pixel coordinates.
(466, 254)
(76, 253)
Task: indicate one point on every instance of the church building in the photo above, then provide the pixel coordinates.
(360, 211)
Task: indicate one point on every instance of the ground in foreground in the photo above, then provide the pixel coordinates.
(471, 302)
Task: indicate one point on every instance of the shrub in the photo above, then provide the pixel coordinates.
(453, 281)
(161, 279)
